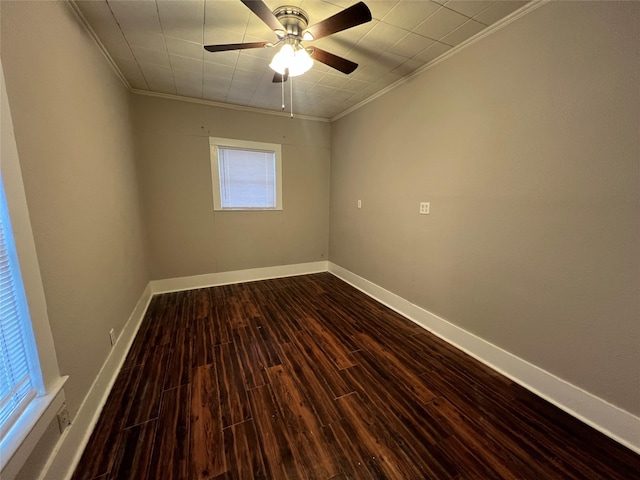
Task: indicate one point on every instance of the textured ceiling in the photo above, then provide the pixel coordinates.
(158, 47)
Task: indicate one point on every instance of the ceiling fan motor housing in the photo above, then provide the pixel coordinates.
(293, 19)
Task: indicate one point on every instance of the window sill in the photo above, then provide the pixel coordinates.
(18, 444)
(248, 209)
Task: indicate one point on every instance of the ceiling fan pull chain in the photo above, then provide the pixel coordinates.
(282, 83)
(291, 93)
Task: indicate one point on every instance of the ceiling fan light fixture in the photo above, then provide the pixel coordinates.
(295, 59)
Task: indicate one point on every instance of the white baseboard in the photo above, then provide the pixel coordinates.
(594, 411)
(237, 276)
(65, 457)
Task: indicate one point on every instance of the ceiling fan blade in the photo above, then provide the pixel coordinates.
(349, 17)
(341, 64)
(279, 78)
(236, 46)
(265, 14)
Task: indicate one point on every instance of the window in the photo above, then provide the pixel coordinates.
(246, 175)
(19, 369)
(27, 406)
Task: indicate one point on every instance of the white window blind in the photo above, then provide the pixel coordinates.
(247, 178)
(245, 175)
(16, 382)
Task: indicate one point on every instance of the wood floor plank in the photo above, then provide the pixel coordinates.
(152, 331)
(206, 437)
(243, 450)
(161, 329)
(383, 358)
(134, 452)
(100, 452)
(356, 461)
(278, 456)
(235, 311)
(233, 395)
(266, 344)
(250, 356)
(491, 453)
(329, 343)
(558, 426)
(350, 457)
(312, 456)
(468, 461)
(181, 360)
(145, 404)
(327, 374)
(203, 341)
(271, 318)
(316, 389)
(249, 304)
(170, 459)
(409, 425)
(407, 414)
(184, 316)
(397, 459)
(493, 418)
(202, 300)
(219, 324)
(341, 327)
(308, 378)
(496, 420)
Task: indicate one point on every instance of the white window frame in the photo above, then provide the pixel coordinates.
(21, 439)
(21, 320)
(215, 142)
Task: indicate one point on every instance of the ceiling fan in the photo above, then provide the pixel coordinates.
(289, 23)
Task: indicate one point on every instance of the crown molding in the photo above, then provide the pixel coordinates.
(85, 24)
(525, 9)
(229, 106)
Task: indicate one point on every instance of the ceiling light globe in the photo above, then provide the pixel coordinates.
(283, 59)
(302, 63)
(296, 61)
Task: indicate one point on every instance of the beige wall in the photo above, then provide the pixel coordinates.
(186, 237)
(74, 137)
(527, 145)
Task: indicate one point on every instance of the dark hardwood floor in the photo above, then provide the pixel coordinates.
(307, 378)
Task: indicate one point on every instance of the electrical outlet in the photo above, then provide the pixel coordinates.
(359, 203)
(64, 419)
(424, 208)
(112, 337)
